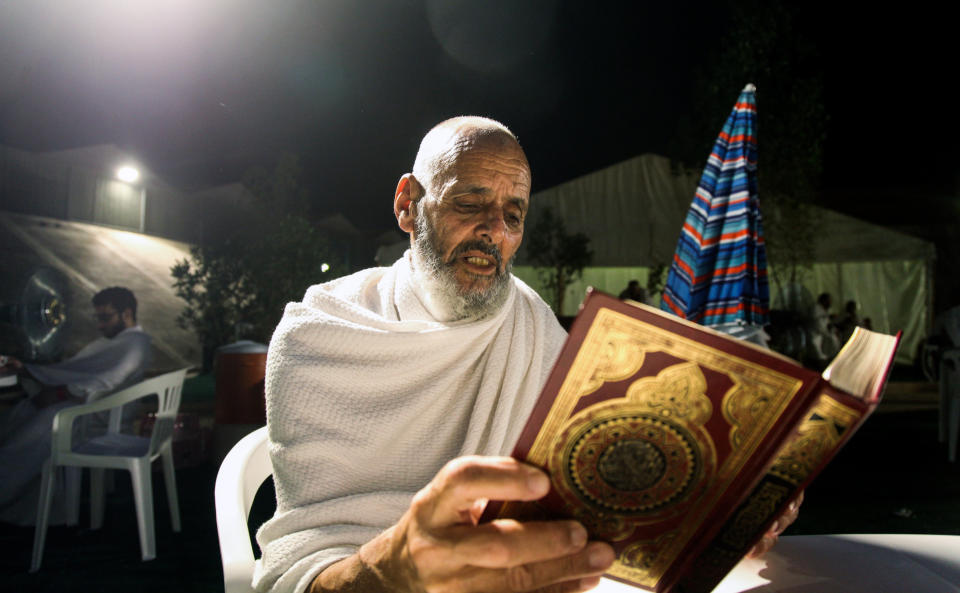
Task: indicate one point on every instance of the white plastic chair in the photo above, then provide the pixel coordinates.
(242, 472)
(115, 450)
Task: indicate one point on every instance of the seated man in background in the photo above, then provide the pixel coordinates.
(117, 359)
(394, 394)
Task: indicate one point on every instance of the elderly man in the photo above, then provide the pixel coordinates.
(118, 358)
(394, 394)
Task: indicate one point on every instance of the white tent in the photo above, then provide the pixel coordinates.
(633, 212)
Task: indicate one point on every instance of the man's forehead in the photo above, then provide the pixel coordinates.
(477, 180)
(492, 158)
(467, 137)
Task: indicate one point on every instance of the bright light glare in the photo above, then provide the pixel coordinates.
(128, 174)
(135, 240)
(324, 267)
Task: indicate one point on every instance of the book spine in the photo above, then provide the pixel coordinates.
(831, 422)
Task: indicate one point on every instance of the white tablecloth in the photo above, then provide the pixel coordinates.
(879, 563)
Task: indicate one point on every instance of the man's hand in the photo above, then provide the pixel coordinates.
(784, 521)
(53, 395)
(10, 364)
(438, 545)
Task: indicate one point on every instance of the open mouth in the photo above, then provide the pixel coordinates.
(480, 264)
(477, 258)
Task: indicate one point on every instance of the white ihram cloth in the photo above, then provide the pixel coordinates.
(368, 397)
(100, 367)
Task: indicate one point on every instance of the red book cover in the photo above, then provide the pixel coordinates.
(654, 430)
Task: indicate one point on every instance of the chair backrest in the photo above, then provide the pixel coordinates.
(115, 419)
(242, 472)
(166, 387)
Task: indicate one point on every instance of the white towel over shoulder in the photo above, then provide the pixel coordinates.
(368, 397)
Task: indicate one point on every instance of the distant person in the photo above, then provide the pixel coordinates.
(117, 359)
(634, 292)
(946, 328)
(943, 336)
(824, 340)
(848, 321)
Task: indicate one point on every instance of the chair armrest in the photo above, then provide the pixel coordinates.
(63, 420)
(242, 472)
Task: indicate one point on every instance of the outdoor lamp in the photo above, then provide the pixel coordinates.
(128, 174)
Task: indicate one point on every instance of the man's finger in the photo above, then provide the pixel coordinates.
(573, 572)
(763, 546)
(454, 491)
(505, 542)
(595, 559)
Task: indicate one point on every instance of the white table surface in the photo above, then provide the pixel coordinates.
(875, 563)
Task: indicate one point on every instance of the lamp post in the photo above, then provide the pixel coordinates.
(143, 208)
(130, 174)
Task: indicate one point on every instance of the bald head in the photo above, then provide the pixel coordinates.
(440, 147)
(464, 206)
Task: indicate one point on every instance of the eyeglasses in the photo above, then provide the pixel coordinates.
(105, 317)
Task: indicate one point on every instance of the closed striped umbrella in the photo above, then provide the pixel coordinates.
(718, 276)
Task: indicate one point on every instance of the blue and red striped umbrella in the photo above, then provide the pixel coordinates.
(719, 272)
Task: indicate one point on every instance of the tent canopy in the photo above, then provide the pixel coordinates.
(633, 211)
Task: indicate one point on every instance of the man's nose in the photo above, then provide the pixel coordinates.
(492, 226)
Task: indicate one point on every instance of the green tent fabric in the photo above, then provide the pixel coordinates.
(633, 211)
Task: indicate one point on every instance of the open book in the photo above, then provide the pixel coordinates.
(680, 445)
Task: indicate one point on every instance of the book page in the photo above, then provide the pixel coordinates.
(861, 366)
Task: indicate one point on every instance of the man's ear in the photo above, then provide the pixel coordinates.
(127, 317)
(408, 192)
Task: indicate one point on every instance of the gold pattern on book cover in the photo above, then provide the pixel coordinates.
(762, 504)
(640, 455)
(658, 427)
(642, 556)
(749, 520)
(820, 433)
(747, 403)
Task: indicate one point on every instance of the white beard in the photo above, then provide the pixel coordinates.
(439, 282)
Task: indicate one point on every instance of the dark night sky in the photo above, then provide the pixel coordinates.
(203, 90)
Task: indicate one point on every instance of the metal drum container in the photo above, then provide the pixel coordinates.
(239, 406)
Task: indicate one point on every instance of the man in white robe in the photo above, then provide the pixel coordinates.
(117, 359)
(376, 381)
(824, 341)
(394, 395)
